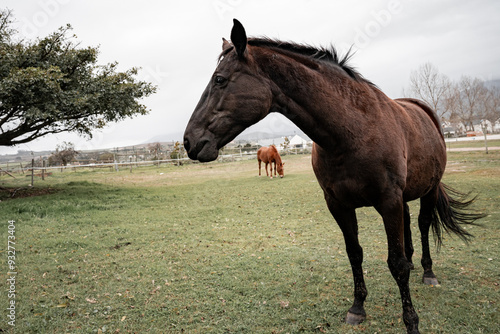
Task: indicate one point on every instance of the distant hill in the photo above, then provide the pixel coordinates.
(492, 83)
(250, 134)
(259, 135)
(256, 135)
(169, 137)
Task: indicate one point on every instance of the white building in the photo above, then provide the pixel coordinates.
(278, 142)
(297, 142)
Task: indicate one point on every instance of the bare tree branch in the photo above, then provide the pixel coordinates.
(427, 84)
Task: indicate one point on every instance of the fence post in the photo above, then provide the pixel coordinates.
(43, 169)
(485, 129)
(32, 171)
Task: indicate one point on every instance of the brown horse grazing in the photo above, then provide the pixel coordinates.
(369, 150)
(268, 155)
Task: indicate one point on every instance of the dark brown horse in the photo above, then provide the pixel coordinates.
(369, 150)
(270, 155)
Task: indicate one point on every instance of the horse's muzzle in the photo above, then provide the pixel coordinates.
(203, 150)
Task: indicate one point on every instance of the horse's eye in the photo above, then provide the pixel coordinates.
(218, 80)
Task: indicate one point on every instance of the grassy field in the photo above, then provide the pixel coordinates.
(212, 248)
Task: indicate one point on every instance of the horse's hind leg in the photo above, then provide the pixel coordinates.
(425, 219)
(346, 219)
(408, 240)
(260, 161)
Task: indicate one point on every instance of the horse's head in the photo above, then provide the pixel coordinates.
(280, 169)
(236, 97)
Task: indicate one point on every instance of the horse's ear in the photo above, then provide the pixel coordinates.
(225, 44)
(239, 38)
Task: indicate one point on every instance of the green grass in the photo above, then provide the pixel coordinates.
(212, 248)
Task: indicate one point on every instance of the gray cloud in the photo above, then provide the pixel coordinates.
(177, 42)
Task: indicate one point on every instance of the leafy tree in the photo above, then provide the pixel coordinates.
(64, 154)
(51, 86)
(247, 148)
(155, 150)
(286, 144)
(106, 157)
(175, 153)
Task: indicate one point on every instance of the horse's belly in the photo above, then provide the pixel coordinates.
(354, 187)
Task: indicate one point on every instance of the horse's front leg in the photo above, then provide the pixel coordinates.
(347, 221)
(392, 212)
(267, 174)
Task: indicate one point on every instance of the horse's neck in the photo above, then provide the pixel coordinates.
(324, 103)
(273, 154)
(277, 157)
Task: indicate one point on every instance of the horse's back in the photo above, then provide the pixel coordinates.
(409, 103)
(421, 127)
(267, 154)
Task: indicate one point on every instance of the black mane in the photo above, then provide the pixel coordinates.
(323, 54)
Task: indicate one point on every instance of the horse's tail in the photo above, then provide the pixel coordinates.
(450, 213)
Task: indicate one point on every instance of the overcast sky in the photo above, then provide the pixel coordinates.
(176, 43)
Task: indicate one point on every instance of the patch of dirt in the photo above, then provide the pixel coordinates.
(13, 193)
(118, 246)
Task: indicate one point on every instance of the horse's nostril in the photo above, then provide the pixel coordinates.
(186, 144)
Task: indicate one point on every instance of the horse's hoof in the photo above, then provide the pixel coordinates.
(354, 319)
(412, 331)
(430, 281)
